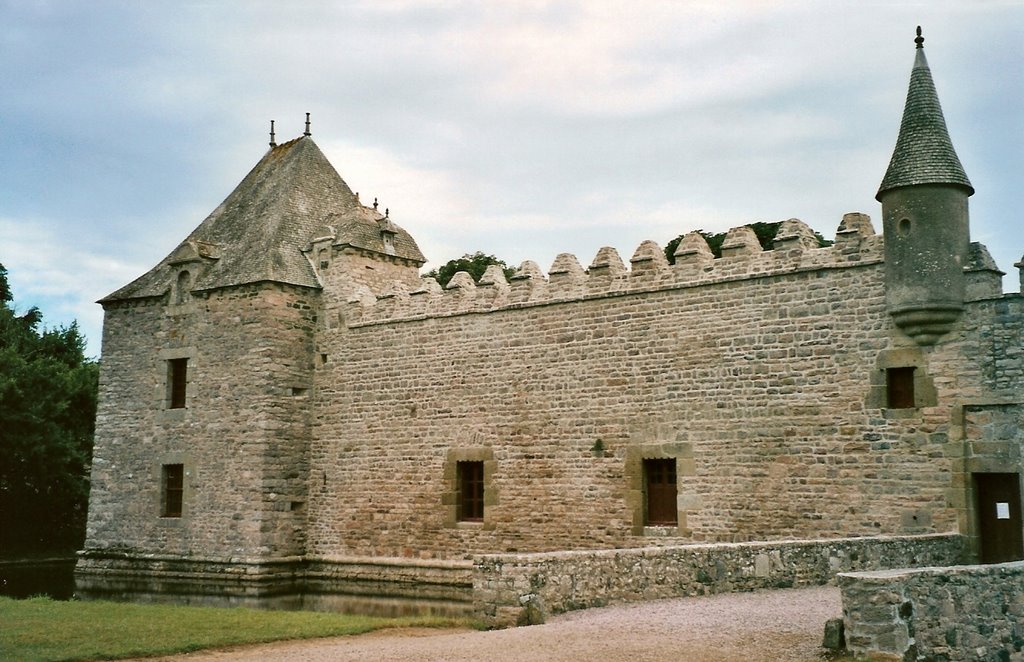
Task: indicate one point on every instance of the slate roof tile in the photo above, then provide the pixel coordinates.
(924, 153)
(259, 231)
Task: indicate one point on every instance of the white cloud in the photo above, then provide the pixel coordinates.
(521, 129)
(57, 276)
(421, 199)
(613, 58)
(448, 220)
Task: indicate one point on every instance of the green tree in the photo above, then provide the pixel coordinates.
(765, 236)
(47, 415)
(475, 264)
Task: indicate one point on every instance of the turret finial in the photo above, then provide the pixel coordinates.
(375, 204)
(919, 40)
(273, 141)
(306, 132)
(387, 213)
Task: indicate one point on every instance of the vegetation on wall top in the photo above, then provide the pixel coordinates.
(765, 235)
(475, 264)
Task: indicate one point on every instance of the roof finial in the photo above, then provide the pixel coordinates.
(273, 141)
(375, 204)
(919, 40)
(387, 213)
(306, 132)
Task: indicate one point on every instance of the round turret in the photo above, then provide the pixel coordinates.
(925, 218)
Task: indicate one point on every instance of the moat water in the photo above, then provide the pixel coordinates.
(54, 578)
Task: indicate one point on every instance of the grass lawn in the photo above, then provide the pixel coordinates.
(45, 629)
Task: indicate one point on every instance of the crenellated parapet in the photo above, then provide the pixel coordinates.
(795, 249)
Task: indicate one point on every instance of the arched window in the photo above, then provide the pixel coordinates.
(183, 286)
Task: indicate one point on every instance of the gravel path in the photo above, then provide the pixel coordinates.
(776, 626)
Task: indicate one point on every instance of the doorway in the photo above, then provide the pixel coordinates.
(660, 492)
(997, 498)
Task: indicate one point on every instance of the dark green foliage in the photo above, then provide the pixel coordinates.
(47, 414)
(765, 235)
(474, 264)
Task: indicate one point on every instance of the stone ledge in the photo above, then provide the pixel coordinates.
(887, 576)
(369, 585)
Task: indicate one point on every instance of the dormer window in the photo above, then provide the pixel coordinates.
(322, 257)
(182, 287)
(387, 233)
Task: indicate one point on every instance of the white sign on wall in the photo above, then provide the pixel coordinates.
(1002, 510)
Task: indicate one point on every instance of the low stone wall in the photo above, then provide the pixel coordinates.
(505, 589)
(936, 614)
(521, 588)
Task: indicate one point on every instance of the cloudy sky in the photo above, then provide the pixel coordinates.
(522, 129)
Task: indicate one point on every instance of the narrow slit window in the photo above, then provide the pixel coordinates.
(900, 388)
(173, 480)
(660, 493)
(470, 477)
(177, 374)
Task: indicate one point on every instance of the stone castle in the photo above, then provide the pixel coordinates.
(289, 414)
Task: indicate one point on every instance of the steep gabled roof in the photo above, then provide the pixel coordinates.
(924, 153)
(259, 231)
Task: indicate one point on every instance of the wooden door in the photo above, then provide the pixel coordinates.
(999, 518)
(660, 492)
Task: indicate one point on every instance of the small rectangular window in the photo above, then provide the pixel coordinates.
(660, 492)
(900, 388)
(173, 480)
(177, 373)
(470, 500)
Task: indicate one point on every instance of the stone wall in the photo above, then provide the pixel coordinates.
(995, 432)
(350, 273)
(989, 347)
(503, 585)
(937, 614)
(242, 436)
(754, 371)
(327, 425)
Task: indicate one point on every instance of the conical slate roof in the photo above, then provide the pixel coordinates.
(259, 231)
(924, 153)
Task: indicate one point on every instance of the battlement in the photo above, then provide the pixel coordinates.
(795, 248)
